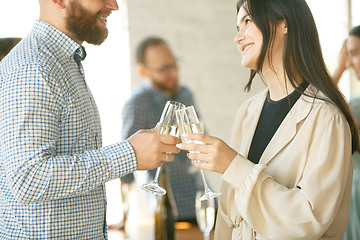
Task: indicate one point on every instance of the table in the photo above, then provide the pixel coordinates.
(144, 233)
(140, 222)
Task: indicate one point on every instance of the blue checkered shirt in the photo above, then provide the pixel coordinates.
(53, 170)
(143, 110)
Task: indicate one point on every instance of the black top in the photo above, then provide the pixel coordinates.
(272, 114)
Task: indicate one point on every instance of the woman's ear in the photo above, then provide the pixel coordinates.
(283, 27)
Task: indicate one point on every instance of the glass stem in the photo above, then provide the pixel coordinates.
(206, 235)
(204, 181)
(157, 175)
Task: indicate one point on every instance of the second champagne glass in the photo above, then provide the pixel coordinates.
(168, 125)
(189, 123)
(205, 214)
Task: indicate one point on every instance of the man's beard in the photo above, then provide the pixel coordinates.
(83, 24)
(163, 88)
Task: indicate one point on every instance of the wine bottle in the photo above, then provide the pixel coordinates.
(165, 213)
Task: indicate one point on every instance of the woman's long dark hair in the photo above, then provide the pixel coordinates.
(302, 57)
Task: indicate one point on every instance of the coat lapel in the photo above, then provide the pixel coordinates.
(287, 129)
(243, 139)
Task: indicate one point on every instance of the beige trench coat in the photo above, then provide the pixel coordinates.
(301, 187)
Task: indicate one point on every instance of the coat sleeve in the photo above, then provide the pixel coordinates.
(306, 211)
(223, 227)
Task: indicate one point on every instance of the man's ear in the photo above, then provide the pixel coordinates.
(60, 3)
(141, 70)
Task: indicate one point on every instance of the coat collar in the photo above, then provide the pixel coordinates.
(287, 129)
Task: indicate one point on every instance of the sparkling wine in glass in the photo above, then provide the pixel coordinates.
(189, 123)
(168, 125)
(205, 214)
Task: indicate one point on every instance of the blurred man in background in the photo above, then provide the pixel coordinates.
(157, 64)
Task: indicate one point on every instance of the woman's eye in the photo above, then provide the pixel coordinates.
(247, 21)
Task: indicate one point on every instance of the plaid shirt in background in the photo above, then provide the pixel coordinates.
(143, 111)
(53, 170)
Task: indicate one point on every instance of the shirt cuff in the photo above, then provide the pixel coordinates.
(122, 155)
(237, 171)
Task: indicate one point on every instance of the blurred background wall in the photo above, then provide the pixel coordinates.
(201, 35)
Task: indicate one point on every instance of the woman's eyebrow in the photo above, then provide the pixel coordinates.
(243, 18)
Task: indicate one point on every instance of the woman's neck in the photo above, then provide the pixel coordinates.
(278, 83)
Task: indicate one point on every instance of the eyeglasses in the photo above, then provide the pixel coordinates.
(165, 69)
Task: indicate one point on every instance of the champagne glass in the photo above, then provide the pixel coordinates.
(168, 125)
(205, 214)
(189, 123)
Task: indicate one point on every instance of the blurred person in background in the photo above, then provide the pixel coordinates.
(349, 57)
(288, 172)
(53, 166)
(6, 44)
(158, 66)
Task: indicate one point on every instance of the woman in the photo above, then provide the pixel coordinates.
(350, 58)
(287, 174)
(6, 44)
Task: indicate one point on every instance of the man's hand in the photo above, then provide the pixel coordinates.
(152, 149)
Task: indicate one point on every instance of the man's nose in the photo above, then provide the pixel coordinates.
(112, 4)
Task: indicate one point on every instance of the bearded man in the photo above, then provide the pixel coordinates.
(53, 168)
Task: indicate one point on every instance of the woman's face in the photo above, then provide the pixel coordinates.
(353, 46)
(248, 39)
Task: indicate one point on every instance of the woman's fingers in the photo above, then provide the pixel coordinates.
(214, 154)
(200, 137)
(202, 165)
(193, 147)
(198, 156)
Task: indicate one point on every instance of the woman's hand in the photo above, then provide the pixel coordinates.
(214, 155)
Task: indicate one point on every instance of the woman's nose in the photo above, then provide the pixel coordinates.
(239, 37)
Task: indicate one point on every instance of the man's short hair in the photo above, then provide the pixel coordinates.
(144, 45)
(355, 31)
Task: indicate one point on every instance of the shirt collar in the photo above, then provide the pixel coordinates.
(56, 39)
(157, 95)
(160, 96)
(79, 55)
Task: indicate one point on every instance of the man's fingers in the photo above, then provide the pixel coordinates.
(170, 149)
(167, 157)
(156, 128)
(168, 139)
